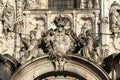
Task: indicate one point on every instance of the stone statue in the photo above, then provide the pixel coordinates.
(90, 4)
(84, 28)
(97, 5)
(9, 15)
(37, 4)
(115, 18)
(88, 50)
(30, 4)
(40, 26)
(33, 48)
(82, 5)
(29, 49)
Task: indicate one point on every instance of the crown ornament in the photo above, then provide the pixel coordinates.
(59, 22)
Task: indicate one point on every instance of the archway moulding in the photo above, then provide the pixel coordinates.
(74, 64)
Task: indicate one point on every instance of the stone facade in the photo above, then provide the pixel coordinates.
(30, 29)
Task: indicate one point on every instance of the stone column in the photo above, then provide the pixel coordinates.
(48, 14)
(96, 28)
(19, 17)
(105, 31)
(74, 21)
(104, 8)
(105, 22)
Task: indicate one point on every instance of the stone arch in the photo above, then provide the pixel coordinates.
(58, 73)
(75, 65)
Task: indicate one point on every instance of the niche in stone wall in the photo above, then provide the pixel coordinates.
(35, 22)
(84, 23)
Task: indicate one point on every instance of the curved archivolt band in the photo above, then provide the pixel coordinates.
(83, 68)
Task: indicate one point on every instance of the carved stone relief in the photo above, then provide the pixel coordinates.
(82, 5)
(115, 25)
(84, 22)
(9, 18)
(7, 22)
(115, 17)
(30, 30)
(36, 4)
(89, 4)
(37, 23)
(60, 38)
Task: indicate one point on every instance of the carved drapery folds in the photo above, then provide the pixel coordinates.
(115, 25)
(32, 41)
